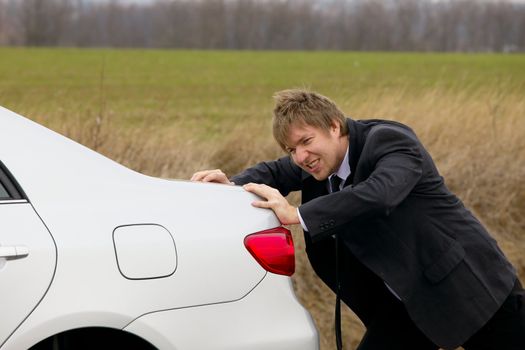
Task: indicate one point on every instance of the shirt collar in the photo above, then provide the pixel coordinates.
(344, 170)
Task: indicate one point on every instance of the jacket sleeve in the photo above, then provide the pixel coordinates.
(394, 160)
(281, 174)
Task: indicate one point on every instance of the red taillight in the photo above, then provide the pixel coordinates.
(273, 249)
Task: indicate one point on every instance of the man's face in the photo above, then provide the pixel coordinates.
(318, 152)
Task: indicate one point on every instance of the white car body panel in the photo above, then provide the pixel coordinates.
(82, 197)
(24, 279)
(249, 316)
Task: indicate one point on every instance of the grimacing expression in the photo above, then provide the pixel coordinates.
(318, 152)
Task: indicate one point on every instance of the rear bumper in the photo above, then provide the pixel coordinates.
(269, 317)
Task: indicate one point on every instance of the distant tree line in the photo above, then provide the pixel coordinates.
(386, 25)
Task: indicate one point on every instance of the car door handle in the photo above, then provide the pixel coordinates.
(14, 252)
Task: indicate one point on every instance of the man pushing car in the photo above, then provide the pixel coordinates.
(384, 232)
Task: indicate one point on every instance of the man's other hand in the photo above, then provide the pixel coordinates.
(286, 213)
(215, 175)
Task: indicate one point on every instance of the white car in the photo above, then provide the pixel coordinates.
(94, 255)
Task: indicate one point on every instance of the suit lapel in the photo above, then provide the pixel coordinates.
(354, 150)
(357, 132)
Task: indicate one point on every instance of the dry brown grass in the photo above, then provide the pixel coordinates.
(477, 141)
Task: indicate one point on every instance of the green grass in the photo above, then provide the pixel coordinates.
(198, 89)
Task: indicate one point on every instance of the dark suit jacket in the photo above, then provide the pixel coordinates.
(397, 217)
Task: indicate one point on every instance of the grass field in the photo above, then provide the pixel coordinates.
(206, 87)
(170, 113)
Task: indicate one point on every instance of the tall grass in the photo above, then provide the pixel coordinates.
(169, 113)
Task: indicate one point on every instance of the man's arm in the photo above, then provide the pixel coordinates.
(395, 161)
(281, 174)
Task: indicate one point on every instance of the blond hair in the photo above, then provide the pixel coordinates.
(302, 106)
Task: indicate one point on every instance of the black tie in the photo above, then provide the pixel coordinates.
(335, 182)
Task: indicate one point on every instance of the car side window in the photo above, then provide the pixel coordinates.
(9, 188)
